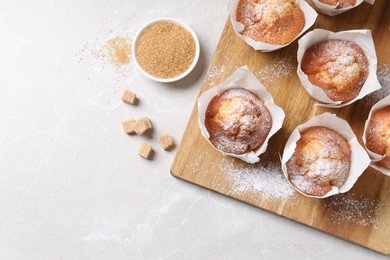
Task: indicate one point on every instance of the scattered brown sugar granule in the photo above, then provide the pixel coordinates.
(128, 126)
(166, 141)
(165, 50)
(142, 125)
(146, 151)
(119, 49)
(109, 51)
(129, 97)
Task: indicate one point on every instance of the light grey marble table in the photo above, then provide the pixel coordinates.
(71, 183)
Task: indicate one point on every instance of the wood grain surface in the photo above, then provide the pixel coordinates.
(363, 217)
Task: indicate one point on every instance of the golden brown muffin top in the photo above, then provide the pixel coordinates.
(322, 159)
(237, 121)
(378, 135)
(270, 21)
(339, 67)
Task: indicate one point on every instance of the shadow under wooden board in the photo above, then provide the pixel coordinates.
(362, 215)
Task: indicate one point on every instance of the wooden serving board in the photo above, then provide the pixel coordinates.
(366, 220)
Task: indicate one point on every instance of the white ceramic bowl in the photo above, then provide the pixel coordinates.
(185, 26)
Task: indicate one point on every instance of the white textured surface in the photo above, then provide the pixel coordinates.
(72, 185)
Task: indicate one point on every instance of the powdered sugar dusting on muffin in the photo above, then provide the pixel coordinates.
(321, 160)
(237, 121)
(271, 21)
(339, 67)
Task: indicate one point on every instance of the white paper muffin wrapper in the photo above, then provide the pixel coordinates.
(362, 38)
(374, 156)
(310, 17)
(332, 9)
(242, 78)
(359, 157)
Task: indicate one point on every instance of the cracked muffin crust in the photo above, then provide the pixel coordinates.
(238, 121)
(270, 21)
(339, 67)
(322, 159)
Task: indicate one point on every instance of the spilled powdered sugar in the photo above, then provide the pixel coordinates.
(285, 67)
(216, 72)
(383, 74)
(266, 179)
(359, 210)
(282, 68)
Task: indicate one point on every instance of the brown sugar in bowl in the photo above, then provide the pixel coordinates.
(165, 50)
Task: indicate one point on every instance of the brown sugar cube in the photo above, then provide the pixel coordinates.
(146, 151)
(142, 125)
(129, 97)
(166, 141)
(128, 126)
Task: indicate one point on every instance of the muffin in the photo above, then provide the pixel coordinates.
(237, 121)
(321, 160)
(378, 135)
(271, 21)
(339, 67)
(339, 3)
